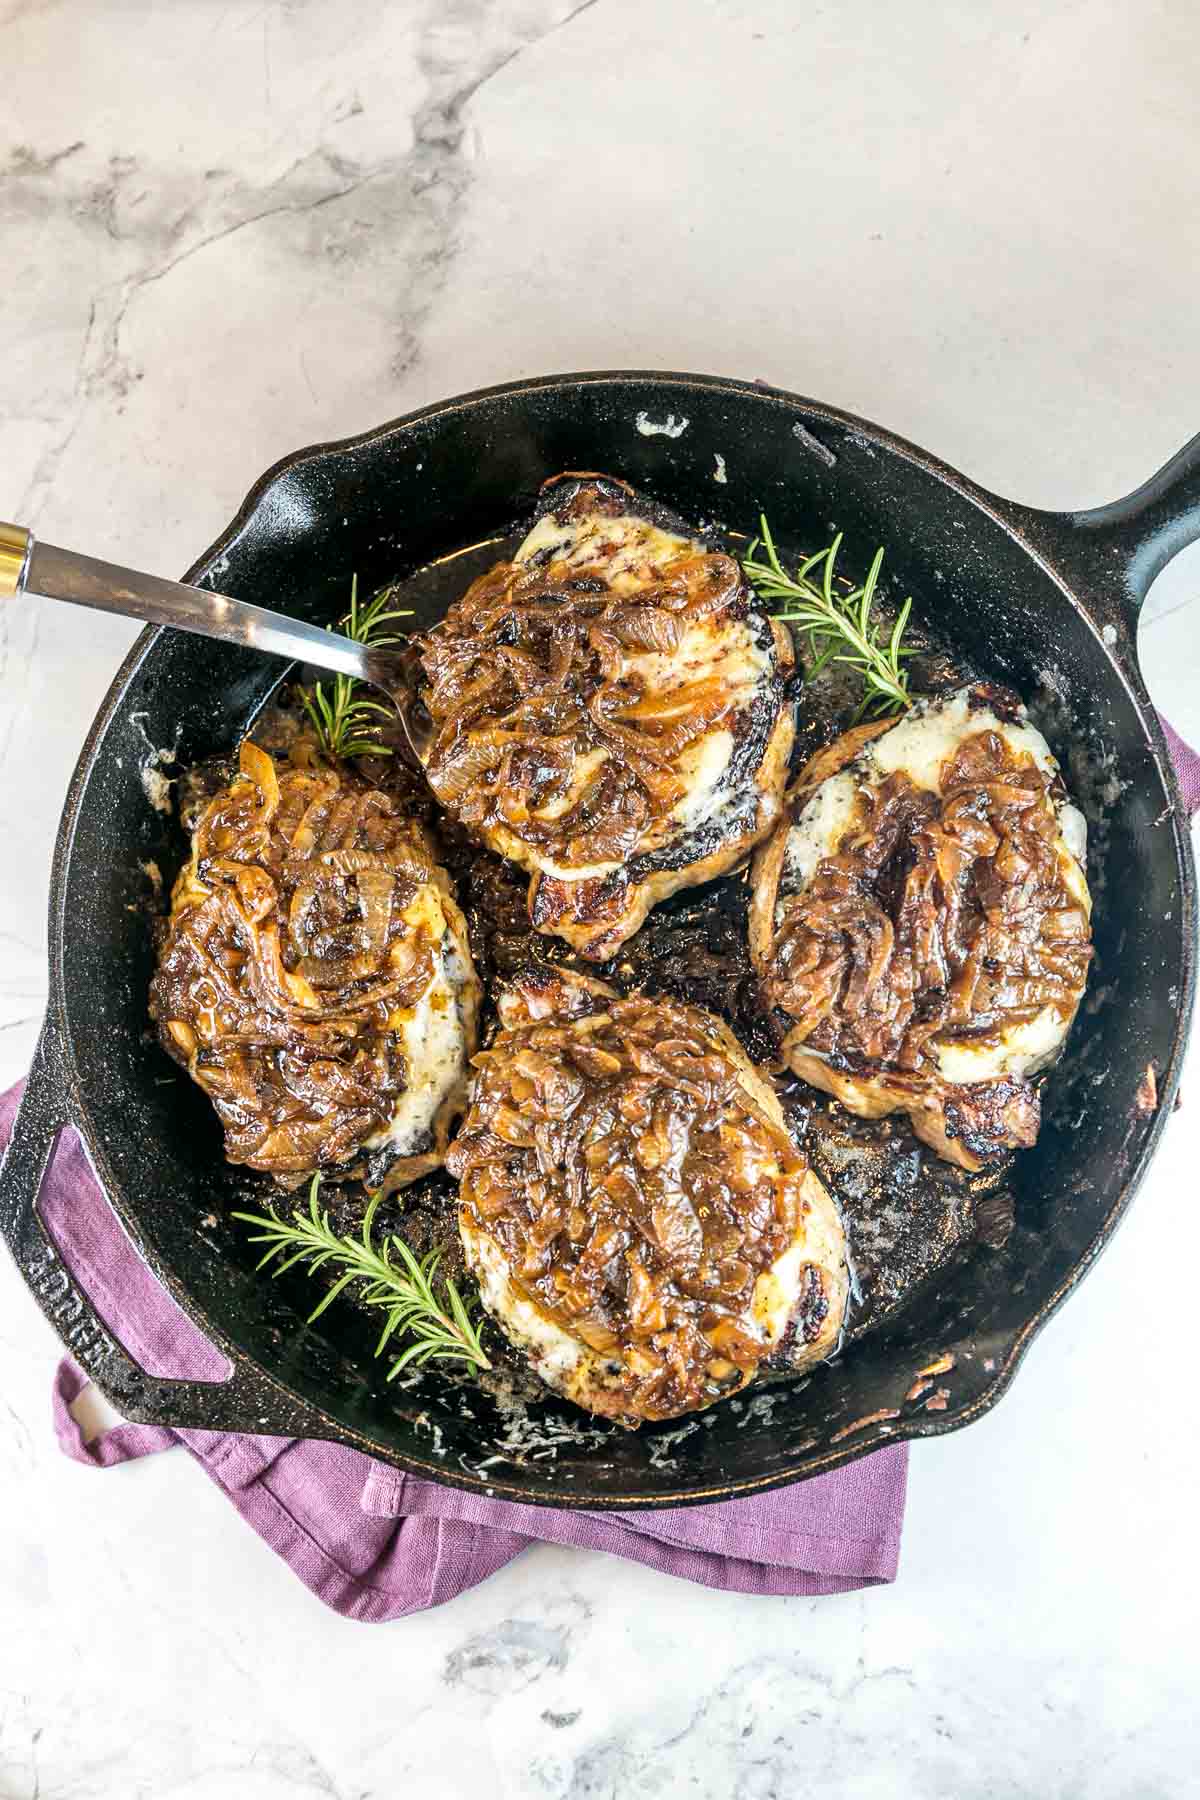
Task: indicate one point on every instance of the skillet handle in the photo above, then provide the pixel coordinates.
(1113, 553)
(248, 1401)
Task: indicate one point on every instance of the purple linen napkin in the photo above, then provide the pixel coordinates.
(376, 1544)
(1187, 766)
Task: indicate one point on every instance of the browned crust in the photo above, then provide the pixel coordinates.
(553, 481)
(835, 1279)
(785, 648)
(765, 873)
(874, 1097)
(929, 1124)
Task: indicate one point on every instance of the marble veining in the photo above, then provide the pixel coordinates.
(233, 227)
(333, 202)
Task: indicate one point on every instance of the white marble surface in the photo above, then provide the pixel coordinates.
(231, 227)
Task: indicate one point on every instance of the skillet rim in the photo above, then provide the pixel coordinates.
(1015, 520)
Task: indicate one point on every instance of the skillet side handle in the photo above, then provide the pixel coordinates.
(248, 1401)
(1113, 553)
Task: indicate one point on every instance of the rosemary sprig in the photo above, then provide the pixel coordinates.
(392, 1278)
(341, 718)
(836, 621)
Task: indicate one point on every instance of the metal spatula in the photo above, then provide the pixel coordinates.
(45, 571)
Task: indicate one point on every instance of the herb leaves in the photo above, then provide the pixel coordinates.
(835, 620)
(345, 723)
(391, 1277)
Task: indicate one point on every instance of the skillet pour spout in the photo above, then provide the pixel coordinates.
(1046, 603)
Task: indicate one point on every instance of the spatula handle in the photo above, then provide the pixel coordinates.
(15, 546)
(44, 570)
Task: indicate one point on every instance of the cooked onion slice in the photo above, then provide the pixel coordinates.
(921, 921)
(637, 1216)
(315, 978)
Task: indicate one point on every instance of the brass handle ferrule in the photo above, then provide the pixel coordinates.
(15, 546)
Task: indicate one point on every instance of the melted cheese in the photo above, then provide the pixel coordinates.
(433, 1033)
(629, 551)
(1073, 826)
(725, 649)
(582, 772)
(777, 1291)
(701, 768)
(1021, 1050)
(818, 831)
(933, 730)
(554, 1353)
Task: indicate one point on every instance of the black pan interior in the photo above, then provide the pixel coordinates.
(465, 473)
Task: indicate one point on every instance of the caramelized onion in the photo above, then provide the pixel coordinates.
(537, 667)
(635, 1188)
(287, 954)
(943, 920)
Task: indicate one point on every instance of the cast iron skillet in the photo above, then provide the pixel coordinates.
(1048, 602)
